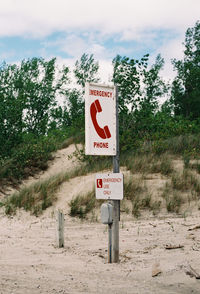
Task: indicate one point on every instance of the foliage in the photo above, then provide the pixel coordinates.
(27, 96)
(148, 163)
(186, 85)
(86, 70)
(27, 159)
(74, 109)
(186, 181)
(11, 108)
(139, 87)
(81, 205)
(137, 193)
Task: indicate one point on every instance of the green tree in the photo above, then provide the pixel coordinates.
(42, 83)
(28, 95)
(86, 70)
(139, 88)
(12, 105)
(127, 74)
(73, 114)
(154, 86)
(186, 85)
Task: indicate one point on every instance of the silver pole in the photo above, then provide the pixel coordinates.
(110, 243)
(116, 203)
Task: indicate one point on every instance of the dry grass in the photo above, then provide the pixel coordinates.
(149, 163)
(41, 195)
(136, 193)
(184, 186)
(195, 166)
(36, 197)
(81, 205)
(185, 181)
(173, 199)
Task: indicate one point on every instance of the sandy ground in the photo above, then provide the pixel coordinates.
(30, 261)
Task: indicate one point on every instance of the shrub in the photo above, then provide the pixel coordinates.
(27, 159)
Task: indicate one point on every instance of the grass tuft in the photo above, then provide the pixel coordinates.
(185, 181)
(83, 204)
(148, 163)
(136, 192)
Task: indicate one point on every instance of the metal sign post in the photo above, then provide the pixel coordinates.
(109, 243)
(102, 138)
(116, 203)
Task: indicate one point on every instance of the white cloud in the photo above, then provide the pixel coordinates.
(7, 54)
(105, 71)
(88, 23)
(41, 17)
(73, 45)
(169, 50)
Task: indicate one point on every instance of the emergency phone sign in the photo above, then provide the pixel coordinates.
(100, 119)
(109, 186)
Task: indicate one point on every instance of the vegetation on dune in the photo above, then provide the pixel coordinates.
(33, 125)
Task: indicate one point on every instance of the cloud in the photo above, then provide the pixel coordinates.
(7, 54)
(40, 18)
(170, 49)
(103, 28)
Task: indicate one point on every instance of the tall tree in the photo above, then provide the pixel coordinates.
(42, 82)
(12, 103)
(73, 113)
(28, 94)
(139, 86)
(86, 70)
(127, 74)
(186, 85)
(154, 86)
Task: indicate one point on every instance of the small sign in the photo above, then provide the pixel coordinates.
(109, 186)
(100, 119)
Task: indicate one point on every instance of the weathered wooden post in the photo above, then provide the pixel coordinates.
(60, 229)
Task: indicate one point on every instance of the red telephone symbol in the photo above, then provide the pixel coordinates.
(99, 183)
(95, 107)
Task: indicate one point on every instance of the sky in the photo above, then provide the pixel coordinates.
(66, 29)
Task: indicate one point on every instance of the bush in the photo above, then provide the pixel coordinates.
(27, 159)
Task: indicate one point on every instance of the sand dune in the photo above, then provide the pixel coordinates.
(157, 254)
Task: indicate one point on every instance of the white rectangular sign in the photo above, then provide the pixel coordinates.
(100, 119)
(109, 186)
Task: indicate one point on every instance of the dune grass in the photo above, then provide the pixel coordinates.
(37, 197)
(148, 163)
(83, 204)
(42, 194)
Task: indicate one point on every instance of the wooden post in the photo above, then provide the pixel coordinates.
(116, 203)
(60, 229)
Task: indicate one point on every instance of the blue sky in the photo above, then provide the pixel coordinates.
(68, 28)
